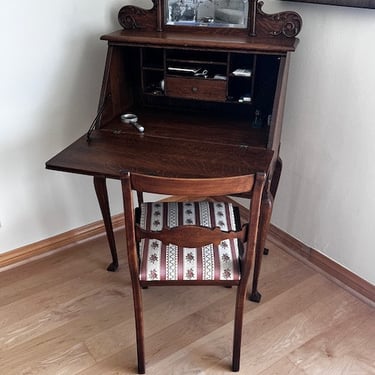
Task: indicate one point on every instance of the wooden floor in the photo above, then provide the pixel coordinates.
(65, 314)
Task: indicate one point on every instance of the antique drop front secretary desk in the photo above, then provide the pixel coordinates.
(207, 81)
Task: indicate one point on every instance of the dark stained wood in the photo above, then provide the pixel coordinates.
(173, 39)
(133, 17)
(109, 155)
(194, 126)
(284, 24)
(281, 25)
(102, 196)
(182, 124)
(265, 218)
(191, 88)
(192, 236)
(224, 185)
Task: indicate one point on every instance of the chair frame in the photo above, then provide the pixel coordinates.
(199, 236)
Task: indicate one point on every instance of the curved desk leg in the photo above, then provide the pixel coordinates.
(102, 196)
(274, 185)
(276, 177)
(265, 218)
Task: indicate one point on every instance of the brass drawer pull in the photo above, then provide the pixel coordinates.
(194, 89)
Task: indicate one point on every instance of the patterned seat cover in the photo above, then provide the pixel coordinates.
(160, 262)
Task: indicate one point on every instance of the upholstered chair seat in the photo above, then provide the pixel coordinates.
(169, 262)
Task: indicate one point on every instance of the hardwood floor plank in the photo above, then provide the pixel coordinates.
(347, 347)
(213, 351)
(283, 339)
(62, 315)
(64, 265)
(70, 361)
(260, 334)
(51, 298)
(65, 314)
(177, 305)
(282, 367)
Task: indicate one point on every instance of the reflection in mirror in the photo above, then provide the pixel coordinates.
(214, 13)
(144, 4)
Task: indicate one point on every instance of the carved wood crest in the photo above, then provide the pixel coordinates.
(287, 24)
(132, 17)
(278, 25)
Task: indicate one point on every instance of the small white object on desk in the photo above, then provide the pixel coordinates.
(242, 73)
(220, 76)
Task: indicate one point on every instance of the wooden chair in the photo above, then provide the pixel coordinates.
(193, 243)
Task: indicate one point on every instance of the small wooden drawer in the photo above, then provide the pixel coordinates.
(193, 88)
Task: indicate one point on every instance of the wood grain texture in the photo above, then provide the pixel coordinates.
(65, 314)
(322, 263)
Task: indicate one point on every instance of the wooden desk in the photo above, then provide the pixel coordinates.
(109, 153)
(202, 118)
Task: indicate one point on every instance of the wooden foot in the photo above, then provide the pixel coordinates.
(255, 297)
(112, 267)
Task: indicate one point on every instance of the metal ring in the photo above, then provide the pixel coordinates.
(129, 118)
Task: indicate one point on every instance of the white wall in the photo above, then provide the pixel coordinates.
(50, 76)
(51, 67)
(326, 197)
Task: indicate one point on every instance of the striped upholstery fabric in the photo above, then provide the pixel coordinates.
(170, 262)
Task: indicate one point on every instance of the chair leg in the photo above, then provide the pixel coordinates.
(139, 328)
(140, 197)
(238, 322)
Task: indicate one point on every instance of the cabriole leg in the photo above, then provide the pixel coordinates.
(265, 218)
(102, 196)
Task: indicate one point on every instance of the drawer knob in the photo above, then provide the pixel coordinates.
(194, 89)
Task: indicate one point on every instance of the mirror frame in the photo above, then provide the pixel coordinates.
(210, 23)
(283, 25)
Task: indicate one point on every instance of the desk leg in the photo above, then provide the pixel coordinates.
(276, 177)
(274, 185)
(102, 196)
(265, 218)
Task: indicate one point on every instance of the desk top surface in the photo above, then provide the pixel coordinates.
(206, 40)
(109, 155)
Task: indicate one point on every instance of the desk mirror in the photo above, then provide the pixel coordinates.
(207, 13)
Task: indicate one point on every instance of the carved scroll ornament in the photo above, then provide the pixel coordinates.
(133, 17)
(288, 24)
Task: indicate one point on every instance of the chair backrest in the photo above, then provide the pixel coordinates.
(192, 235)
(192, 186)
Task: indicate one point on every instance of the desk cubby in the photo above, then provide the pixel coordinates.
(200, 75)
(201, 80)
